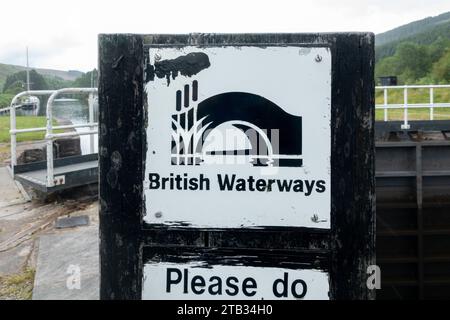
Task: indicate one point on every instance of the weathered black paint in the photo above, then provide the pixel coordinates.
(289, 259)
(121, 156)
(187, 65)
(345, 251)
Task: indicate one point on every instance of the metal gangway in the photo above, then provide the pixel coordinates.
(61, 173)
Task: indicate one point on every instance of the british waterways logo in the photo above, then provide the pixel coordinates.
(233, 127)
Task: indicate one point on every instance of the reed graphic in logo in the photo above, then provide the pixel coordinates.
(233, 127)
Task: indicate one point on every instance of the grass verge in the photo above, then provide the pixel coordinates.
(414, 114)
(422, 95)
(23, 122)
(17, 286)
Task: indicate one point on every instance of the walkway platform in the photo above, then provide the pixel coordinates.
(69, 172)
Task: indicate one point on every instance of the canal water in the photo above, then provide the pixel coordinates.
(77, 112)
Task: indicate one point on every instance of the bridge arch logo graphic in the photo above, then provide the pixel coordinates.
(241, 126)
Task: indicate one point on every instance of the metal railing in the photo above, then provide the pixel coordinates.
(13, 129)
(405, 105)
(49, 128)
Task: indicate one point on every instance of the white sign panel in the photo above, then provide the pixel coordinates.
(239, 137)
(193, 281)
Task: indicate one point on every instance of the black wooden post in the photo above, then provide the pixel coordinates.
(121, 143)
(352, 166)
(347, 248)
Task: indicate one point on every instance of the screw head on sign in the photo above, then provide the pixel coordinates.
(157, 57)
(158, 214)
(318, 58)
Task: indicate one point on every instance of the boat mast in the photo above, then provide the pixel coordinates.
(28, 73)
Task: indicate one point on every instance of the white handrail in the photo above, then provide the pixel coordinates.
(71, 126)
(12, 116)
(405, 105)
(415, 86)
(49, 136)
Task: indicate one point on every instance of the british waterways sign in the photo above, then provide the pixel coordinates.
(238, 137)
(236, 166)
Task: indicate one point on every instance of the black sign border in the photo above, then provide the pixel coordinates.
(349, 245)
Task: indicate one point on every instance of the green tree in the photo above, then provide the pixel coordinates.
(18, 80)
(387, 67)
(85, 81)
(5, 99)
(441, 69)
(15, 87)
(56, 83)
(413, 61)
(438, 48)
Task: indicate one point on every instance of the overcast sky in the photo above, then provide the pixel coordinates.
(63, 34)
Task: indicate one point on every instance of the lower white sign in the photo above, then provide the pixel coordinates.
(192, 281)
